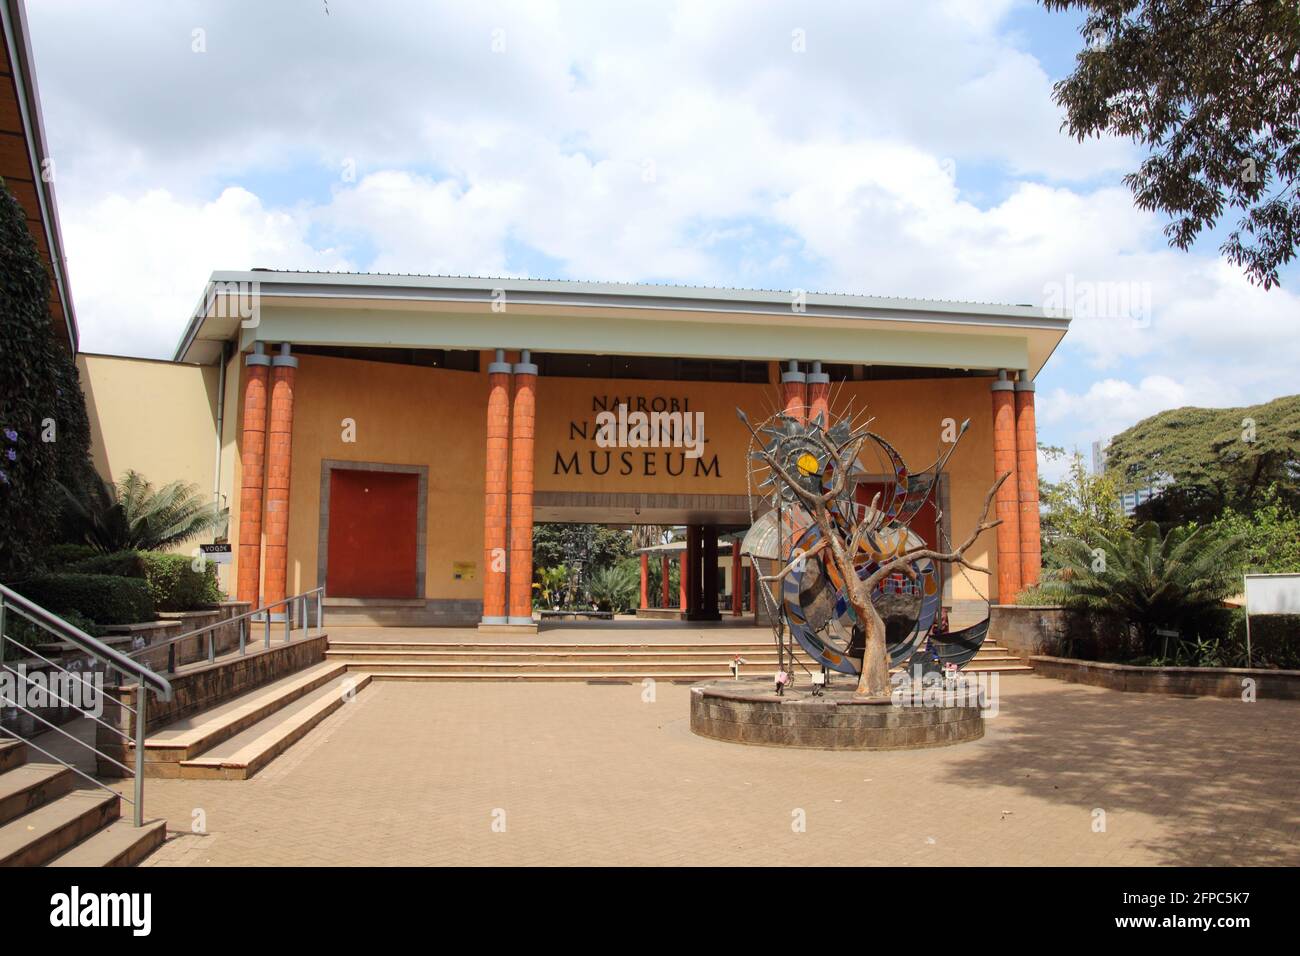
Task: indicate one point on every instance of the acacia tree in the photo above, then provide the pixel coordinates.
(1212, 89)
(842, 543)
(1208, 460)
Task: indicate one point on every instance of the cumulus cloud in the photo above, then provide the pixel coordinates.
(729, 143)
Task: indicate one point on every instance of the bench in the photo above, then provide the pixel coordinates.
(590, 615)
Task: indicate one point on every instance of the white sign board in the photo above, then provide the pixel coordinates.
(1273, 593)
(216, 553)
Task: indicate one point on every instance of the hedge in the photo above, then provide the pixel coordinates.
(59, 556)
(175, 585)
(127, 564)
(103, 598)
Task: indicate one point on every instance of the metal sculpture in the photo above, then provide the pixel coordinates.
(859, 590)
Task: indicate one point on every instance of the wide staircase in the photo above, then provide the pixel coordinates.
(236, 739)
(49, 818)
(558, 661)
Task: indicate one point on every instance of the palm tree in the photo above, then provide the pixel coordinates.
(134, 516)
(1150, 580)
(616, 588)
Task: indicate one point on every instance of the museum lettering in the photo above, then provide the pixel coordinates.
(642, 464)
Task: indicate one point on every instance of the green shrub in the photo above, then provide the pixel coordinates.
(103, 598)
(127, 564)
(174, 584)
(58, 556)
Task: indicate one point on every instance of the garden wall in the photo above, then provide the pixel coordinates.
(1230, 682)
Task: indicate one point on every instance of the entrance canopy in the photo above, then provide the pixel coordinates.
(360, 310)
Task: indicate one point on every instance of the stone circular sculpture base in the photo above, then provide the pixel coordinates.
(750, 712)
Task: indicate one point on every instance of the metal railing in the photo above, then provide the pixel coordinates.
(262, 615)
(12, 603)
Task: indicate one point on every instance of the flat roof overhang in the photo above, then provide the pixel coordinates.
(613, 319)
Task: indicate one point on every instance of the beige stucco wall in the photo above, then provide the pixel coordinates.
(435, 417)
(157, 418)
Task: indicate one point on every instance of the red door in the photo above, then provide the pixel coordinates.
(372, 534)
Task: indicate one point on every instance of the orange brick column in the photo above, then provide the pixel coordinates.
(794, 392)
(252, 477)
(819, 394)
(684, 577)
(1031, 545)
(1008, 501)
(496, 492)
(521, 491)
(279, 443)
(645, 580)
(664, 586)
(737, 585)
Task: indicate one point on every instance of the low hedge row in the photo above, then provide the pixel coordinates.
(103, 598)
(173, 583)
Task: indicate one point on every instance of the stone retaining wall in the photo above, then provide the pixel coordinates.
(1227, 682)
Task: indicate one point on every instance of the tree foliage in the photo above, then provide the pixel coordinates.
(134, 516)
(1211, 88)
(1209, 460)
(44, 430)
(585, 549)
(1270, 537)
(1175, 580)
(1081, 506)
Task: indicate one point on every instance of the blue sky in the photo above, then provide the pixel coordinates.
(882, 148)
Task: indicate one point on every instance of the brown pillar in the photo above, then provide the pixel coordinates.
(794, 392)
(521, 492)
(684, 575)
(496, 491)
(1008, 503)
(279, 447)
(737, 581)
(1031, 546)
(708, 603)
(645, 580)
(753, 587)
(252, 476)
(665, 591)
(819, 395)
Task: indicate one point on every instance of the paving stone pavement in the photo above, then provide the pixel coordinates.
(535, 773)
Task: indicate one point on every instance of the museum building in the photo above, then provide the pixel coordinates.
(394, 438)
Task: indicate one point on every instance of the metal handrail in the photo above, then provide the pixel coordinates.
(262, 613)
(114, 660)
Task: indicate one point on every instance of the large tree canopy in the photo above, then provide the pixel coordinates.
(1212, 89)
(1211, 459)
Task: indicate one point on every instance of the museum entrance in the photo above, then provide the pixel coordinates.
(641, 575)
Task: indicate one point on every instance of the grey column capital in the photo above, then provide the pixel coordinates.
(1003, 384)
(257, 356)
(284, 359)
(498, 366)
(525, 367)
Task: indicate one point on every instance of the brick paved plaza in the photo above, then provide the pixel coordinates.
(412, 773)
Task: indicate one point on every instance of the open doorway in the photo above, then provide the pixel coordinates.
(641, 574)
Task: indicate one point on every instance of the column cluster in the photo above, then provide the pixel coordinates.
(265, 470)
(508, 504)
(1015, 450)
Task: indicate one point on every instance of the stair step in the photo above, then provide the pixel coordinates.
(635, 668)
(244, 754)
(13, 753)
(197, 734)
(121, 843)
(44, 833)
(435, 674)
(26, 787)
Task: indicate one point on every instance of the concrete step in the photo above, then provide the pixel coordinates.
(27, 787)
(715, 667)
(121, 843)
(13, 753)
(195, 735)
(427, 673)
(45, 832)
(244, 754)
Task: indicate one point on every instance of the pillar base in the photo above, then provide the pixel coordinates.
(491, 621)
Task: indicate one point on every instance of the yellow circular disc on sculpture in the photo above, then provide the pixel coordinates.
(807, 464)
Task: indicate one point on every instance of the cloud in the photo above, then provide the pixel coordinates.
(728, 143)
